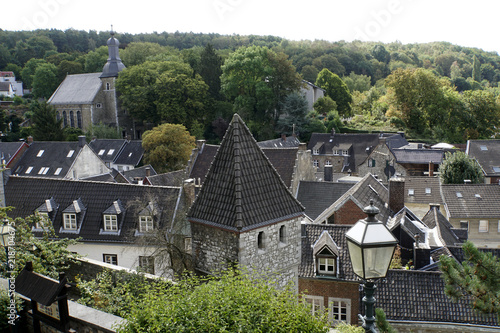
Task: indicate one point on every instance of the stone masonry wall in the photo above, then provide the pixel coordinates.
(303, 169)
(213, 249)
(279, 258)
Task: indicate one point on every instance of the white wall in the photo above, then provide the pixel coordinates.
(87, 164)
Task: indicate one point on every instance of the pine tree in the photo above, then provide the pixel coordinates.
(478, 277)
(46, 126)
(476, 69)
(210, 70)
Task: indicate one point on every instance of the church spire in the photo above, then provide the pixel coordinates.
(114, 64)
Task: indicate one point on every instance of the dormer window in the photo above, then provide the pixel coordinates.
(44, 213)
(145, 224)
(73, 216)
(345, 153)
(315, 151)
(112, 218)
(147, 218)
(335, 152)
(326, 254)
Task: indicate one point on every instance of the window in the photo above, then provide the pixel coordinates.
(110, 259)
(71, 119)
(261, 241)
(317, 303)
(498, 230)
(327, 265)
(29, 169)
(108, 86)
(111, 151)
(69, 221)
(282, 234)
(483, 225)
(328, 162)
(110, 223)
(459, 195)
(483, 148)
(71, 152)
(79, 119)
(345, 152)
(339, 309)
(98, 105)
(187, 244)
(411, 191)
(147, 264)
(371, 163)
(496, 169)
(57, 172)
(40, 153)
(316, 163)
(65, 119)
(145, 223)
(315, 151)
(335, 152)
(43, 170)
(427, 190)
(464, 225)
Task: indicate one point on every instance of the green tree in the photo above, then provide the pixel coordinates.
(167, 147)
(476, 69)
(325, 104)
(46, 126)
(294, 111)
(211, 70)
(337, 90)
(102, 131)
(95, 60)
(482, 114)
(137, 53)
(357, 82)
(232, 302)
(45, 81)
(477, 277)
(28, 71)
(458, 167)
(67, 67)
(380, 53)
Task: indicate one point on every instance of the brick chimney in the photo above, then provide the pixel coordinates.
(431, 169)
(30, 139)
(148, 171)
(396, 194)
(328, 173)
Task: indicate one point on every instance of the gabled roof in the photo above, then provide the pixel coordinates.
(318, 196)
(361, 193)
(487, 154)
(203, 161)
(410, 223)
(48, 159)
(174, 178)
(425, 190)
(8, 150)
(417, 296)
(445, 231)
(40, 288)
(242, 190)
(107, 149)
(418, 156)
(77, 89)
(96, 198)
(311, 233)
(472, 200)
(325, 241)
(287, 142)
(131, 154)
(133, 174)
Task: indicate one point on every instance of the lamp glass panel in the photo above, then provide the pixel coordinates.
(377, 260)
(4, 234)
(356, 258)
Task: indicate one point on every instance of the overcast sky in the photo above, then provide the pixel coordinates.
(465, 23)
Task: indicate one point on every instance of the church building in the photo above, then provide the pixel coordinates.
(89, 99)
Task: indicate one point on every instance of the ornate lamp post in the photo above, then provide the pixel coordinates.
(5, 234)
(371, 246)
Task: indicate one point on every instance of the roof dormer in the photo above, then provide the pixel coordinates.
(73, 217)
(326, 255)
(112, 219)
(148, 219)
(46, 213)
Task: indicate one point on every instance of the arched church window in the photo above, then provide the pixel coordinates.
(71, 119)
(65, 119)
(108, 86)
(79, 119)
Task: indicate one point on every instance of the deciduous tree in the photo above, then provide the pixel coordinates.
(458, 167)
(337, 90)
(45, 81)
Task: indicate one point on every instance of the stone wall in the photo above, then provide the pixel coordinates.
(278, 257)
(303, 169)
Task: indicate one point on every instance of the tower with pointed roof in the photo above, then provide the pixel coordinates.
(244, 214)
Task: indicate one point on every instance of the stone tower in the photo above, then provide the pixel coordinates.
(244, 213)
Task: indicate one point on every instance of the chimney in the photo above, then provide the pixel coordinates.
(396, 194)
(434, 206)
(30, 139)
(328, 173)
(431, 169)
(189, 192)
(283, 137)
(402, 134)
(302, 146)
(200, 144)
(81, 141)
(148, 171)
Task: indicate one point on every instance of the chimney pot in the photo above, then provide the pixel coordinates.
(30, 139)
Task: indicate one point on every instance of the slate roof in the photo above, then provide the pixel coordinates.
(288, 142)
(283, 160)
(311, 233)
(77, 89)
(106, 177)
(9, 149)
(487, 154)
(107, 149)
(408, 295)
(40, 288)
(94, 197)
(445, 231)
(5, 86)
(131, 154)
(242, 189)
(174, 178)
(410, 223)
(421, 187)
(472, 200)
(47, 154)
(361, 193)
(318, 196)
(418, 156)
(132, 174)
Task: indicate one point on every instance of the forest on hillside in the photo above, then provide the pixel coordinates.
(435, 91)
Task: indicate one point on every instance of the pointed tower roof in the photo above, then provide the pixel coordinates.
(114, 64)
(242, 190)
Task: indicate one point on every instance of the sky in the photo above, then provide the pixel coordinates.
(465, 23)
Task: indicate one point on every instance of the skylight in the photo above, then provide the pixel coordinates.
(71, 152)
(130, 155)
(29, 169)
(57, 172)
(427, 190)
(111, 151)
(40, 153)
(496, 169)
(459, 195)
(411, 191)
(483, 148)
(101, 152)
(478, 196)
(43, 170)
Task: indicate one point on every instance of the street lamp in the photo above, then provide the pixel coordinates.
(371, 246)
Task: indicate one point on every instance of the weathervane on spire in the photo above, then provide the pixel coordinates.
(112, 32)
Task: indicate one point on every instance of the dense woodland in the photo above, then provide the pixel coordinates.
(435, 91)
